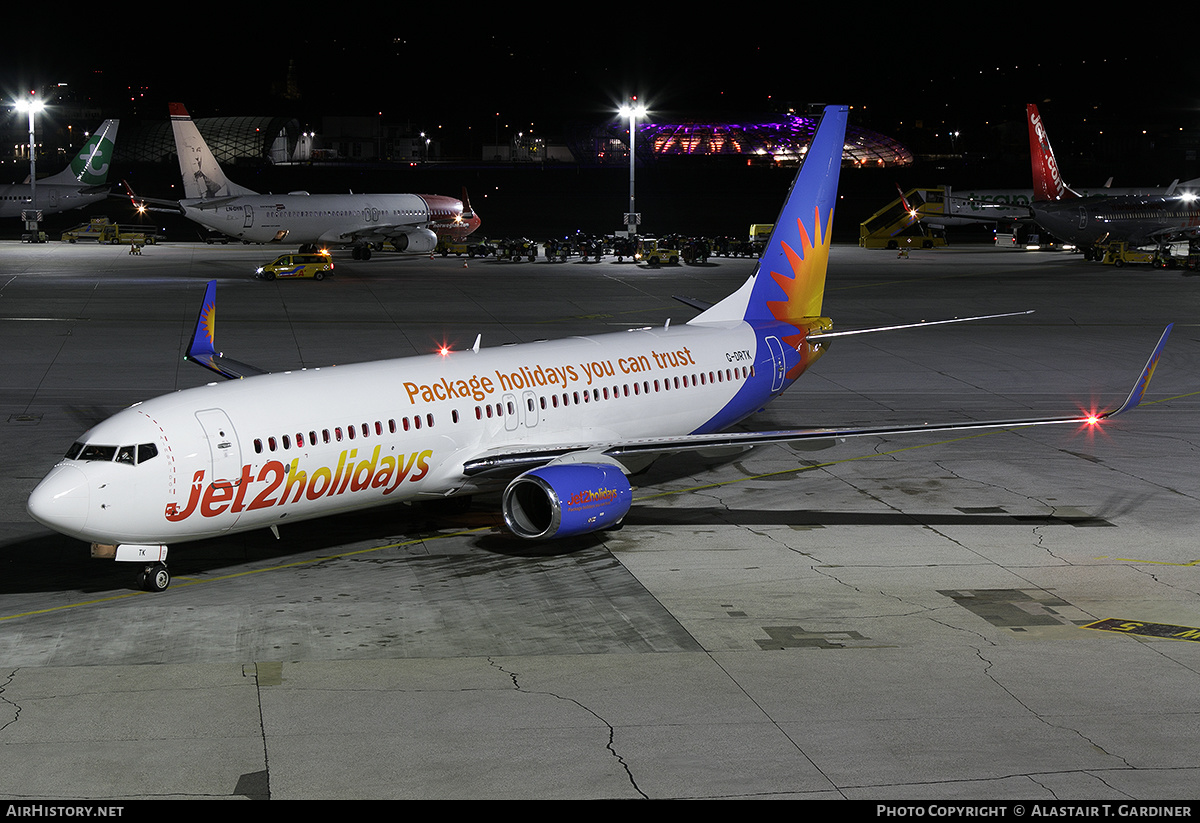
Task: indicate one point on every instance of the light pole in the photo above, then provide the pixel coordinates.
(32, 105)
(633, 110)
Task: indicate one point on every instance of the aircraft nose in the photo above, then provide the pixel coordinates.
(60, 501)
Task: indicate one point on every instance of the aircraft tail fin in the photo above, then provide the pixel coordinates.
(90, 167)
(789, 284)
(1047, 179)
(202, 175)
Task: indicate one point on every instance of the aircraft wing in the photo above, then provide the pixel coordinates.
(1011, 211)
(143, 204)
(1173, 233)
(512, 462)
(172, 206)
(202, 349)
(380, 233)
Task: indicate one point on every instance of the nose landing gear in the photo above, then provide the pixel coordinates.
(154, 577)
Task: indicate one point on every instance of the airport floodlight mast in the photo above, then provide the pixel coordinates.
(32, 105)
(633, 110)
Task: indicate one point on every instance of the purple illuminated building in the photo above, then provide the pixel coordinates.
(773, 139)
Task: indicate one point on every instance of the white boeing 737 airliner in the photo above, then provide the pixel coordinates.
(561, 423)
(410, 222)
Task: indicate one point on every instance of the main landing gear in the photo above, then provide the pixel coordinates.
(154, 577)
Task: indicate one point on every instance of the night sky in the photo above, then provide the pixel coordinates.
(444, 70)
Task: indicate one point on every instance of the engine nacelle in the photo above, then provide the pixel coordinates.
(565, 499)
(418, 241)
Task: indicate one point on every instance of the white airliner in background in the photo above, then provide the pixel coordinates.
(74, 187)
(557, 425)
(410, 222)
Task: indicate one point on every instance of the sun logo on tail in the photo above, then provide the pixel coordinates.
(805, 286)
(208, 322)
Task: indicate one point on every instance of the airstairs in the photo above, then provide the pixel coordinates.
(899, 224)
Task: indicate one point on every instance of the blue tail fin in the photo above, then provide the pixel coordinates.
(789, 284)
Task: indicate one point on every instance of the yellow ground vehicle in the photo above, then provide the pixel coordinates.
(652, 251)
(102, 231)
(290, 266)
(1120, 254)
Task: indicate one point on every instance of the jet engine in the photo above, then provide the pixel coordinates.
(566, 499)
(418, 241)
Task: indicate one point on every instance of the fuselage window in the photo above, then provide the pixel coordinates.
(271, 443)
(258, 445)
(350, 432)
(299, 440)
(429, 419)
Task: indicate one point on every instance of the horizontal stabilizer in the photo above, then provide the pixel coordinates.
(694, 302)
(814, 336)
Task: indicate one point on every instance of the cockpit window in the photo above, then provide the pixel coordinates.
(101, 454)
(109, 454)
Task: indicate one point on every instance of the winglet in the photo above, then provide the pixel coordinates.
(202, 349)
(204, 335)
(1143, 381)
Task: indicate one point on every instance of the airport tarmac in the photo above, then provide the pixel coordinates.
(911, 618)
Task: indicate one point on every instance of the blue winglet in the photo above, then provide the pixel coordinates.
(202, 349)
(1139, 388)
(204, 335)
